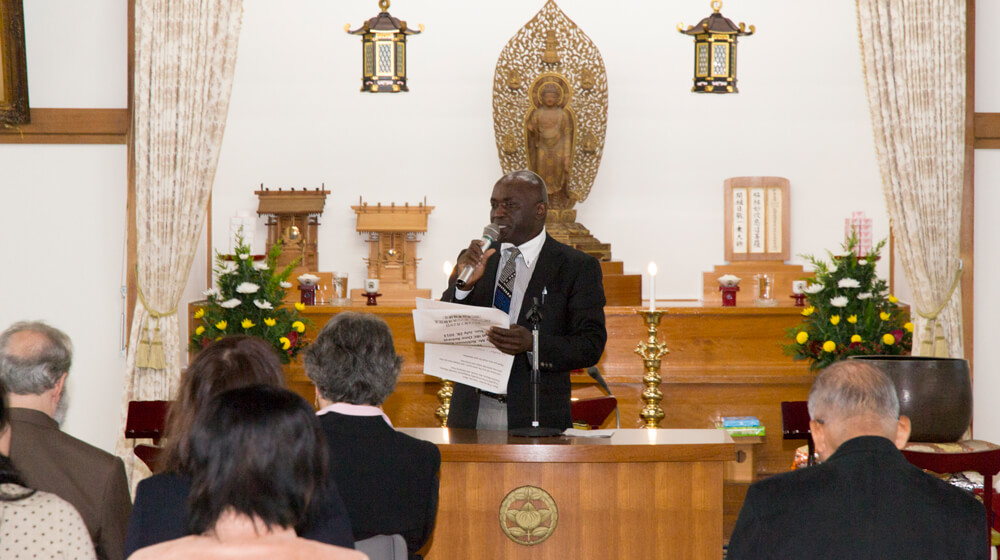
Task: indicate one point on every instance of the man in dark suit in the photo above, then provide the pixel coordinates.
(34, 361)
(569, 288)
(387, 480)
(864, 500)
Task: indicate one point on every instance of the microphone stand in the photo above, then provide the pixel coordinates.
(534, 317)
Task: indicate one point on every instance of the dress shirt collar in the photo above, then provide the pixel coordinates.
(530, 249)
(348, 409)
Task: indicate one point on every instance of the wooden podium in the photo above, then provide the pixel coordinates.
(640, 494)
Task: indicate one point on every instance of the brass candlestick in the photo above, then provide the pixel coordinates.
(651, 350)
(444, 397)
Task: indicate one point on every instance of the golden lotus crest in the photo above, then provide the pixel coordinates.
(528, 515)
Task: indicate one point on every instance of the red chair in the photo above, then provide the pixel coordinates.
(795, 425)
(145, 420)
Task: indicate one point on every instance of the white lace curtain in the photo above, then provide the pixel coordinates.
(185, 53)
(914, 61)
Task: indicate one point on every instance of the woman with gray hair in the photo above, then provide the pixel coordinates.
(388, 480)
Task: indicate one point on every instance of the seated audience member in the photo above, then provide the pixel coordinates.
(160, 511)
(864, 500)
(34, 362)
(388, 480)
(35, 524)
(257, 459)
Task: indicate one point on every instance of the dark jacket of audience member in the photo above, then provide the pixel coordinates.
(388, 480)
(34, 363)
(864, 500)
(257, 463)
(160, 510)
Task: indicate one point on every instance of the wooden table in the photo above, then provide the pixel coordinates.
(641, 494)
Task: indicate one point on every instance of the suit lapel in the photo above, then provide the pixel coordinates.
(549, 260)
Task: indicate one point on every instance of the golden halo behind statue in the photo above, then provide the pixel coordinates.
(565, 91)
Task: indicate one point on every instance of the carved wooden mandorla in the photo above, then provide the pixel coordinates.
(552, 49)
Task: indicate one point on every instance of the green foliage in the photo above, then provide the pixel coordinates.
(232, 310)
(828, 333)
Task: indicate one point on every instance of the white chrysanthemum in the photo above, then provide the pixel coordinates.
(848, 283)
(244, 256)
(865, 295)
(285, 285)
(813, 288)
(260, 265)
(839, 301)
(228, 267)
(863, 262)
(230, 303)
(842, 254)
(247, 288)
(263, 304)
(212, 293)
(832, 269)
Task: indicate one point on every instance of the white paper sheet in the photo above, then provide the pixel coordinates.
(455, 344)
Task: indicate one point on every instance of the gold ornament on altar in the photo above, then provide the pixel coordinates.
(651, 350)
(563, 104)
(715, 39)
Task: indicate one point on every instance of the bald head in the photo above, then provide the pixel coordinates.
(852, 398)
(33, 357)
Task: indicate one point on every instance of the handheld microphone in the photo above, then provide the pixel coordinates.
(490, 234)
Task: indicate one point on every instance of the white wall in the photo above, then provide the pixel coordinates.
(986, 415)
(62, 208)
(298, 120)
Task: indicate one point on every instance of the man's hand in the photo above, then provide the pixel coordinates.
(511, 341)
(474, 257)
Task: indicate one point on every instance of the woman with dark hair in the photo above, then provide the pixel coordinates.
(257, 460)
(35, 524)
(160, 510)
(388, 480)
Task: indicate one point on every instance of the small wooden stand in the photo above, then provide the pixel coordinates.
(392, 258)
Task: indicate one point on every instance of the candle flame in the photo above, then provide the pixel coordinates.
(652, 268)
(447, 268)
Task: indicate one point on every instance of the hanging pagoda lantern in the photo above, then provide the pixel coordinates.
(383, 51)
(715, 51)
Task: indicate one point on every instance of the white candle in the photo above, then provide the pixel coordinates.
(652, 286)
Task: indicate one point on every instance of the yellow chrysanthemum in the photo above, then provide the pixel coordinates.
(856, 338)
(808, 311)
(888, 339)
(908, 327)
(893, 299)
(299, 326)
(802, 337)
(247, 324)
(269, 321)
(299, 306)
(221, 325)
(835, 320)
(285, 343)
(884, 315)
(199, 330)
(852, 319)
(199, 313)
(829, 346)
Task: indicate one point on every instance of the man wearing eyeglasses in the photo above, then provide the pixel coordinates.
(864, 500)
(530, 264)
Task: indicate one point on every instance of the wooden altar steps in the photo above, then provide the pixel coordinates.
(621, 289)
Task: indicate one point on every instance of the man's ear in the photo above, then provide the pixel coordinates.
(819, 434)
(57, 389)
(902, 431)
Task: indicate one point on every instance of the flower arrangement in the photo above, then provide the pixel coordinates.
(248, 301)
(850, 311)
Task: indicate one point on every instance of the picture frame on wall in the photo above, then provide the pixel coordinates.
(13, 64)
(757, 216)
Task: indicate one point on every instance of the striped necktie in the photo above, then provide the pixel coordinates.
(505, 285)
